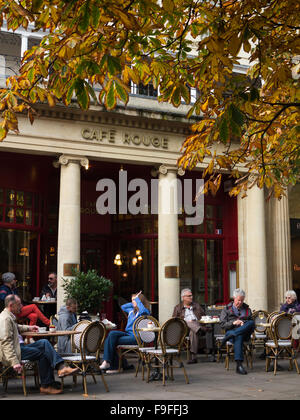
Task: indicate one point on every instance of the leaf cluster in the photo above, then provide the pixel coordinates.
(94, 49)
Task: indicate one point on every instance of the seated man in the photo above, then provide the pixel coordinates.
(66, 321)
(50, 290)
(236, 320)
(31, 312)
(13, 350)
(191, 312)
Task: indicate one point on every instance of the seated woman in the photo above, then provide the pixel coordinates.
(291, 304)
(139, 306)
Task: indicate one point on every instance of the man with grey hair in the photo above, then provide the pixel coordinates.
(13, 350)
(236, 320)
(191, 312)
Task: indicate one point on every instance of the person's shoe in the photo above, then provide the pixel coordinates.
(49, 390)
(66, 371)
(240, 369)
(104, 365)
(192, 361)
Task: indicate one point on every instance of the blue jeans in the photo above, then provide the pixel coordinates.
(238, 336)
(111, 342)
(47, 358)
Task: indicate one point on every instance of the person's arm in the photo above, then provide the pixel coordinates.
(224, 322)
(175, 312)
(3, 294)
(7, 343)
(142, 309)
(127, 307)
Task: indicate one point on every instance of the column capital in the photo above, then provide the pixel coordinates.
(164, 169)
(66, 159)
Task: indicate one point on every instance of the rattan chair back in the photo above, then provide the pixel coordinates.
(80, 326)
(283, 327)
(92, 338)
(272, 316)
(173, 333)
(260, 317)
(144, 338)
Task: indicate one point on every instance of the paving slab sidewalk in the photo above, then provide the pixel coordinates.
(208, 381)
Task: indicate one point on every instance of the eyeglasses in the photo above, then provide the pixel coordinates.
(51, 278)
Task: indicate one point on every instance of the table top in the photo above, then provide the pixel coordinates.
(209, 321)
(152, 329)
(49, 334)
(42, 302)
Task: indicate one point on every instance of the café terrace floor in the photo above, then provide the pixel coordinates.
(208, 381)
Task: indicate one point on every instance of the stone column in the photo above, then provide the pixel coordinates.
(68, 247)
(252, 248)
(168, 242)
(278, 251)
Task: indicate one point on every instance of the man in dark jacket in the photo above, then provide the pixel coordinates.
(236, 320)
(191, 312)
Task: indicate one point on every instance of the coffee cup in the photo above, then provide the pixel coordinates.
(42, 329)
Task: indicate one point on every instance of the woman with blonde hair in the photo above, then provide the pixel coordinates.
(139, 306)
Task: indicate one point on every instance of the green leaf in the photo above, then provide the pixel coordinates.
(224, 131)
(122, 93)
(82, 94)
(85, 18)
(114, 65)
(110, 98)
(36, 4)
(236, 114)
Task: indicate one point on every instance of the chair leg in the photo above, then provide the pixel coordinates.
(164, 371)
(120, 359)
(24, 381)
(184, 371)
(104, 382)
(84, 381)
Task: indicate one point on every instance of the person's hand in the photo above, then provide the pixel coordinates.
(18, 368)
(238, 322)
(48, 295)
(137, 295)
(33, 328)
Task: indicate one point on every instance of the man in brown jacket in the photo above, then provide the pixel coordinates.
(13, 350)
(191, 312)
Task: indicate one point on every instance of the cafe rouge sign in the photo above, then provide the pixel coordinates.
(106, 135)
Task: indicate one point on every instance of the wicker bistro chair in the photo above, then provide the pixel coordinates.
(259, 336)
(172, 335)
(91, 341)
(280, 345)
(144, 339)
(296, 330)
(29, 368)
(228, 351)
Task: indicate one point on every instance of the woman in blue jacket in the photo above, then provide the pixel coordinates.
(139, 306)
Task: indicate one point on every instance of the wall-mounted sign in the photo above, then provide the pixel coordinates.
(172, 272)
(69, 268)
(112, 136)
